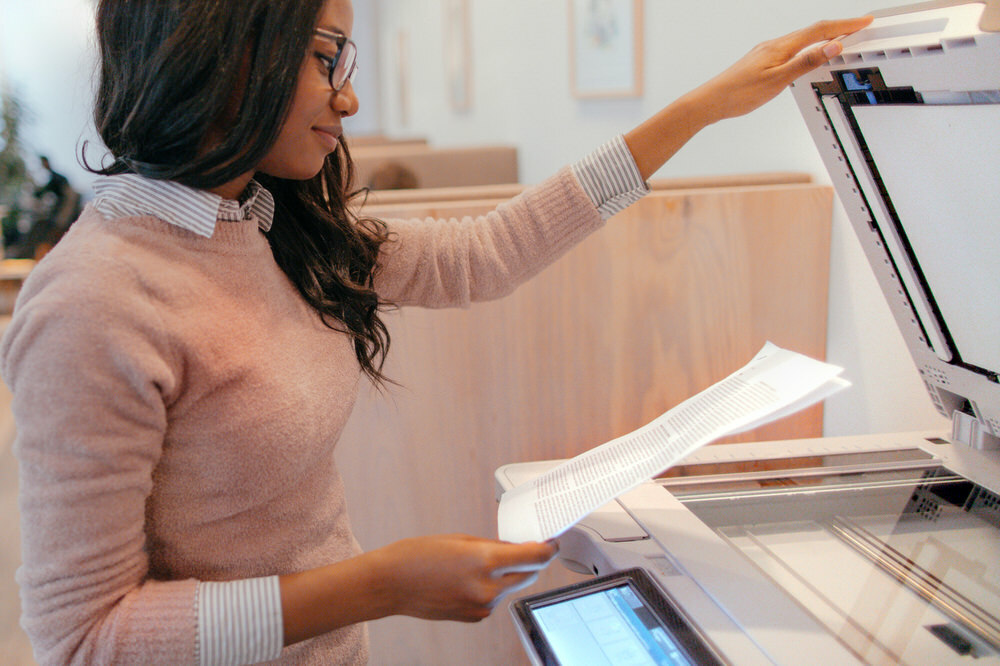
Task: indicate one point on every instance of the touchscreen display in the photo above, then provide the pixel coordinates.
(607, 627)
(620, 619)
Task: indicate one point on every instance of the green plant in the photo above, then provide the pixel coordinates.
(14, 175)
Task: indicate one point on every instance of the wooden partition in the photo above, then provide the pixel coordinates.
(12, 274)
(441, 167)
(385, 198)
(671, 296)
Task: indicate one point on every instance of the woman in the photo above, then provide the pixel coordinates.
(185, 359)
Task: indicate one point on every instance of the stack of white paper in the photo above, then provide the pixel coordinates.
(776, 383)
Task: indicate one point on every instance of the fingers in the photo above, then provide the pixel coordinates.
(823, 40)
(810, 59)
(525, 556)
(527, 567)
(520, 566)
(514, 583)
(460, 577)
(823, 31)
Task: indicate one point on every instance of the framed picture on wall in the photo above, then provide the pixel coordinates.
(606, 48)
(457, 54)
(403, 77)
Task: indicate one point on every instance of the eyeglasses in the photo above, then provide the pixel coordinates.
(342, 67)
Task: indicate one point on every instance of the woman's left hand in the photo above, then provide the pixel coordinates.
(756, 78)
(773, 65)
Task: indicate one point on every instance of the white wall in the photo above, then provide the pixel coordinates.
(366, 82)
(522, 96)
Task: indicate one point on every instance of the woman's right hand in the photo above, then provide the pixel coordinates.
(458, 577)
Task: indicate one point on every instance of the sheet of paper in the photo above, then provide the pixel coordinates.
(775, 383)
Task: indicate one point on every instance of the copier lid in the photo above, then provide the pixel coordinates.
(907, 120)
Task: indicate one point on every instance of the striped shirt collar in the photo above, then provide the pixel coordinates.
(198, 211)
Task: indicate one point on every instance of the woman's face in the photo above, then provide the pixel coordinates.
(313, 125)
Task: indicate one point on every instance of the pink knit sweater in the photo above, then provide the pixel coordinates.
(177, 406)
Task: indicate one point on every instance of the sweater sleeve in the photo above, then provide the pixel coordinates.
(441, 263)
(88, 369)
(451, 262)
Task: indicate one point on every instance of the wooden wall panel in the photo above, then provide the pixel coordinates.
(441, 167)
(382, 198)
(673, 295)
(15, 650)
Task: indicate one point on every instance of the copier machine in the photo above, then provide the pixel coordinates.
(876, 549)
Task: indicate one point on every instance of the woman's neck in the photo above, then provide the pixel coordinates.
(234, 188)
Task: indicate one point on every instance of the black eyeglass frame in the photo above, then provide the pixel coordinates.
(344, 45)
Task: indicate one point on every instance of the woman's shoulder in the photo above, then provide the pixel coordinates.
(100, 252)
(89, 291)
(94, 254)
(104, 273)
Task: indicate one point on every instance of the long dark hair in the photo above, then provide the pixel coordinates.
(168, 75)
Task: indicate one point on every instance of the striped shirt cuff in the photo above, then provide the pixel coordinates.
(239, 622)
(611, 178)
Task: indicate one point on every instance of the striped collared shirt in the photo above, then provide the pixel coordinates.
(198, 211)
(610, 177)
